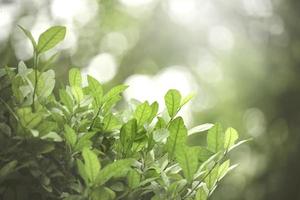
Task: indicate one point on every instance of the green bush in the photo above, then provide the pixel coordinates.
(77, 145)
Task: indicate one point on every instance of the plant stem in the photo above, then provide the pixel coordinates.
(35, 66)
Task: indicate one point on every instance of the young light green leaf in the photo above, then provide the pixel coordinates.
(70, 135)
(29, 35)
(114, 92)
(154, 107)
(127, 136)
(142, 113)
(186, 99)
(75, 77)
(200, 128)
(177, 135)
(27, 118)
(95, 89)
(215, 138)
(230, 138)
(239, 143)
(202, 193)
(46, 83)
(172, 101)
(116, 169)
(66, 99)
(223, 169)
(187, 157)
(212, 177)
(91, 164)
(111, 122)
(50, 38)
(77, 93)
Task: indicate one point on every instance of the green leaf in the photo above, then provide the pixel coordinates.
(177, 135)
(75, 78)
(200, 128)
(186, 99)
(223, 169)
(81, 171)
(118, 168)
(77, 93)
(50, 38)
(29, 35)
(133, 179)
(154, 107)
(7, 169)
(52, 136)
(46, 83)
(212, 178)
(114, 92)
(91, 164)
(66, 99)
(70, 135)
(27, 118)
(239, 143)
(103, 193)
(215, 138)
(95, 89)
(127, 136)
(142, 113)
(201, 194)
(172, 101)
(111, 122)
(230, 138)
(187, 157)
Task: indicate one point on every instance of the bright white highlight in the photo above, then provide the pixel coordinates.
(79, 11)
(135, 3)
(102, 67)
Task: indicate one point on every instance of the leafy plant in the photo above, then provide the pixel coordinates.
(76, 145)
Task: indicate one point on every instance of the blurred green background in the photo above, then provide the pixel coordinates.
(241, 58)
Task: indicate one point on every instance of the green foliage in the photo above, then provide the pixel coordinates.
(77, 145)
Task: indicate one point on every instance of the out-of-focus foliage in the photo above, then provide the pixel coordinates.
(240, 57)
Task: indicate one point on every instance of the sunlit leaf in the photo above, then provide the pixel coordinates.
(177, 135)
(50, 38)
(91, 164)
(230, 138)
(172, 101)
(215, 138)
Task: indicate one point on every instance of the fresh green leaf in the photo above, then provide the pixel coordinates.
(215, 138)
(230, 138)
(95, 89)
(91, 164)
(172, 101)
(187, 157)
(127, 136)
(70, 135)
(75, 77)
(202, 193)
(118, 168)
(50, 38)
(142, 113)
(177, 135)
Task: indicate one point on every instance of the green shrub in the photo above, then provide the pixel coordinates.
(77, 145)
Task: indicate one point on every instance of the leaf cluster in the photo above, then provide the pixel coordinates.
(77, 146)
